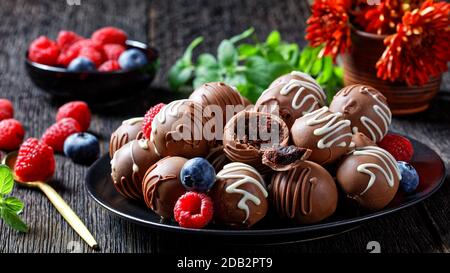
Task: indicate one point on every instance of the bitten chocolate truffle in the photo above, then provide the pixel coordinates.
(366, 108)
(294, 94)
(248, 133)
(328, 135)
(129, 129)
(129, 165)
(240, 196)
(162, 185)
(220, 94)
(370, 176)
(178, 130)
(305, 194)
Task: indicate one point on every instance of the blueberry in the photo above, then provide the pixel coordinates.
(132, 58)
(82, 148)
(410, 178)
(198, 174)
(81, 64)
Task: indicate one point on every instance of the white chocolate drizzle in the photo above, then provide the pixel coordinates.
(383, 112)
(332, 125)
(234, 171)
(388, 164)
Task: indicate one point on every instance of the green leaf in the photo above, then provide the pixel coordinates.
(244, 35)
(316, 67)
(261, 72)
(207, 60)
(237, 79)
(187, 56)
(274, 39)
(327, 69)
(180, 75)
(6, 180)
(247, 50)
(13, 220)
(227, 54)
(13, 204)
(305, 58)
(274, 56)
(339, 72)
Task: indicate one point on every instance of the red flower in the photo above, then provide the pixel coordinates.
(420, 48)
(329, 25)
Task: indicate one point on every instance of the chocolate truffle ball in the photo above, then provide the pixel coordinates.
(129, 129)
(305, 194)
(178, 130)
(239, 195)
(366, 108)
(326, 134)
(248, 133)
(220, 94)
(162, 185)
(217, 158)
(129, 165)
(370, 176)
(360, 140)
(293, 95)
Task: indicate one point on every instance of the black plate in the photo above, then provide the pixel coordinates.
(428, 164)
(95, 87)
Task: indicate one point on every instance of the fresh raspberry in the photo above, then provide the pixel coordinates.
(148, 119)
(113, 51)
(109, 35)
(56, 134)
(92, 54)
(399, 147)
(35, 161)
(66, 39)
(111, 65)
(6, 109)
(43, 51)
(74, 50)
(11, 134)
(78, 110)
(193, 210)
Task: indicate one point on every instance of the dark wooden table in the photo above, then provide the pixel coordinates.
(170, 26)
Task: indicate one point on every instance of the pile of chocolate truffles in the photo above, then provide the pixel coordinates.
(319, 151)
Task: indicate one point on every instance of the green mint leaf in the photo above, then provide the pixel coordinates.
(247, 50)
(250, 91)
(305, 58)
(6, 180)
(327, 69)
(316, 67)
(274, 39)
(13, 204)
(187, 56)
(339, 73)
(237, 79)
(227, 54)
(208, 73)
(13, 220)
(244, 35)
(261, 72)
(274, 56)
(180, 75)
(207, 60)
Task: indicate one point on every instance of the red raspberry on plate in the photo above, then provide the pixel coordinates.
(78, 110)
(148, 119)
(193, 210)
(66, 39)
(43, 51)
(74, 50)
(92, 54)
(111, 65)
(109, 35)
(35, 161)
(56, 134)
(399, 147)
(113, 51)
(6, 109)
(11, 134)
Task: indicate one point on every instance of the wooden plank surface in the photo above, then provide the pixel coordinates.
(170, 26)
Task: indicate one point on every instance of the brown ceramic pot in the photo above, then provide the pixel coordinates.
(359, 68)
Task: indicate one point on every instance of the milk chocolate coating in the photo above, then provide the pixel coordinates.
(129, 165)
(177, 130)
(217, 158)
(366, 108)
(239, 196)
(240, 147)
(306, 194)
(360, 140)
(220, 94)
(295, 94)
(328, 135)
(129, 129)
(162, 185)
(370, 176)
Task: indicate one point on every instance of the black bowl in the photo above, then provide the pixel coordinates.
(95, 86)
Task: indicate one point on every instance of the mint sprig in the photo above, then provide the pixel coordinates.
(10, 206)
(252, 66)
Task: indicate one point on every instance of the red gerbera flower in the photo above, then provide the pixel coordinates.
(419, 49)
(329, 25)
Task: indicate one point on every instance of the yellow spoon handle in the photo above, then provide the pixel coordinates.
(68, 214)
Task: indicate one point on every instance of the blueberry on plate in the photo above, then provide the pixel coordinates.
(82, 148)
(198, 174)
(410, 177)
(81, 64)
(132, 58)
